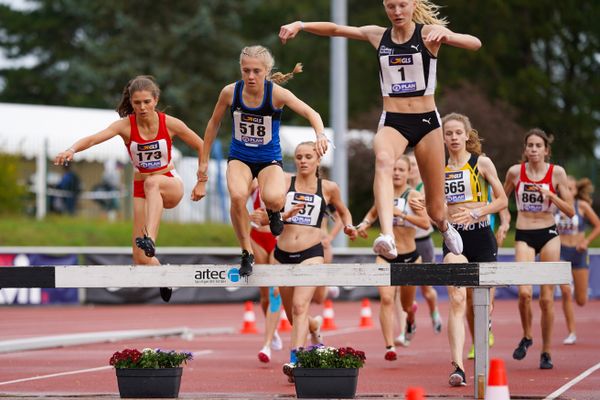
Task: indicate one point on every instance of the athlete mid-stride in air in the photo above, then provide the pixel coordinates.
(407, 53)
(256, 103)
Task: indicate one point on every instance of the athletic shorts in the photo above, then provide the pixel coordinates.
(578, 259)
(266, 240)
(413, 127)
(479, 242)
(404, 258)
(138, 186)
(296, 258)
(255, 168)
(536, 238)
(425, 249)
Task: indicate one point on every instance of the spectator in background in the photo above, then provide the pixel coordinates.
(70, 185)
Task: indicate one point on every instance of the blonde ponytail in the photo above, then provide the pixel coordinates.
(281, 78)
(427, 13)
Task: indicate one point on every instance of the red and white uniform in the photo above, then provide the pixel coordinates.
(528, 198)
(150, 155)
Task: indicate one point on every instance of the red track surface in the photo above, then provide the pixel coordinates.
(229, 367)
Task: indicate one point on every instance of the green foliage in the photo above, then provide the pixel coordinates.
(149, 358)
(12, 192)
(319, 356)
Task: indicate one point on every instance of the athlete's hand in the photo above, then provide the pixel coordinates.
(582, 246)
(289, 31)
(545, 192)
(64, 157)
(361, 229)
(501, 234)
(438, 34)
(321, 145)
(259, 217)
(296, 208)
(463, 217)
(417, 204)
(199, 191)
(351, 231)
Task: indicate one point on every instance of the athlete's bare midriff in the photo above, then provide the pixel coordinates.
(296, 238)
(534, 220)
(456, 208)
(409, 105)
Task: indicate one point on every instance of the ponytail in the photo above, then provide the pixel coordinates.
(427, 13)
(281, 78)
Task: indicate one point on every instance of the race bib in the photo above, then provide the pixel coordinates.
(399, 205)
(402, 73)
(252, 130)
(531, 199)
(457, 186)
(151, 155)
(309, 215)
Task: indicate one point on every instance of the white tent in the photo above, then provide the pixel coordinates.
(26, 127)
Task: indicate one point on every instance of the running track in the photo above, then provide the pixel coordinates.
(226, 365)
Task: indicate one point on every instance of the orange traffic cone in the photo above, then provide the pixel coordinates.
(284, 322)
(497, 388)
(366, 320)
(328, 314)
(249, 319)
(415, 393)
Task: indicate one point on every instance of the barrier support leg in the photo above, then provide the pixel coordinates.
(481, 305)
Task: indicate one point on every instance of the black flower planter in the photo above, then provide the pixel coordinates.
(149, 382)
(328, 383)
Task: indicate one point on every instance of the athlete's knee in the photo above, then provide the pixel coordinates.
(384, 162)
(386, 300)
(546, 303)
(274, 201)
(458, 300)
(151, 184)
(525, 297)
(238, 198)
(581, 299)
(299, 309)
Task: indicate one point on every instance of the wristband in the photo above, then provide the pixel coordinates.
(72, 150)
(475, 214)
(366, 221)
(301, 25)
(350, 226)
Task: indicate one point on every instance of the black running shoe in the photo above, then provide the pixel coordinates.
(521, 350)
(546, 361)
(457, 378)
(147, 244)
(246, 264)
(165, 293)
(275, 222)
(288, 370)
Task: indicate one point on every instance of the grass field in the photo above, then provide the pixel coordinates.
(76, 231)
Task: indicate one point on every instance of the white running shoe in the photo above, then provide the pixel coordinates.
(333, 292)
(315, 336)
(571, 339)
(276, 343)
(452, 240)
(401, 341)
(385, 246)
(264, 355)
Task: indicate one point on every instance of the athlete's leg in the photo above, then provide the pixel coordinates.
(550, 252)
(457, 297)
(525, 253)
(239, 179)
(161, 192)
(139, 224)
(271, 183)
(581, 277)
(388, 145)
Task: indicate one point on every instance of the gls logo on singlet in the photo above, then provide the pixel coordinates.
(405, 59)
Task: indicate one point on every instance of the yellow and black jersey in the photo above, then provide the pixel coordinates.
(466, 184)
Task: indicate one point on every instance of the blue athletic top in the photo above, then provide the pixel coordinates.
(570, 226)
(255, 131)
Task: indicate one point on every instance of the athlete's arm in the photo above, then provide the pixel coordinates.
(369, 33)
(212, 128)
(436, 35)
(367, 221)
(287, 98)
(504, 214)
(419, 218)
(589, 213)
(114, 129)
(563, 197)
(178, 128)
(333, 191)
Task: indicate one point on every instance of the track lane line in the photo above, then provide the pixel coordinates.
(82, 371)
(572, 382)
